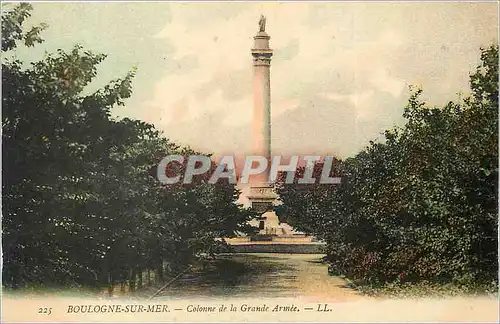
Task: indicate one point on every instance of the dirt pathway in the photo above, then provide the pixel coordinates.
(266, 275)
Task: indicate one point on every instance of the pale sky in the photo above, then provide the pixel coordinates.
(339, 74)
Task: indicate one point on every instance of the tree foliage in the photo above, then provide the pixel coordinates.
(81, 202)
(420, 204)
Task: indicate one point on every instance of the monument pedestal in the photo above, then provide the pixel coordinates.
(262, 199)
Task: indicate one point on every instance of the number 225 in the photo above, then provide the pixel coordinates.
(45, 310)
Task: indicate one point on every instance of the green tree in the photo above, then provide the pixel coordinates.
(81, 202)
(422, 203)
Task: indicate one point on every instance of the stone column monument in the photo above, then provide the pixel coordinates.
(261, 194)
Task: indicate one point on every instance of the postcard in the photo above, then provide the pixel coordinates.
(250, 161)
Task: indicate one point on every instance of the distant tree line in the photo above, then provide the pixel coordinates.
(81, 204)
(420, 204)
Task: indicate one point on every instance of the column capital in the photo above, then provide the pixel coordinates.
(261, 52)
(261, 60)
(262, 56)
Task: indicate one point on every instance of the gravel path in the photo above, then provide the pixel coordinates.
(265, 275)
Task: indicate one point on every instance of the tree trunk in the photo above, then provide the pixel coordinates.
(139, 282)
(149, 277)
(133, 276)
(160, 271)
(110, 285)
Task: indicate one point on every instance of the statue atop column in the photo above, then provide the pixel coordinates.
(262, 24)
